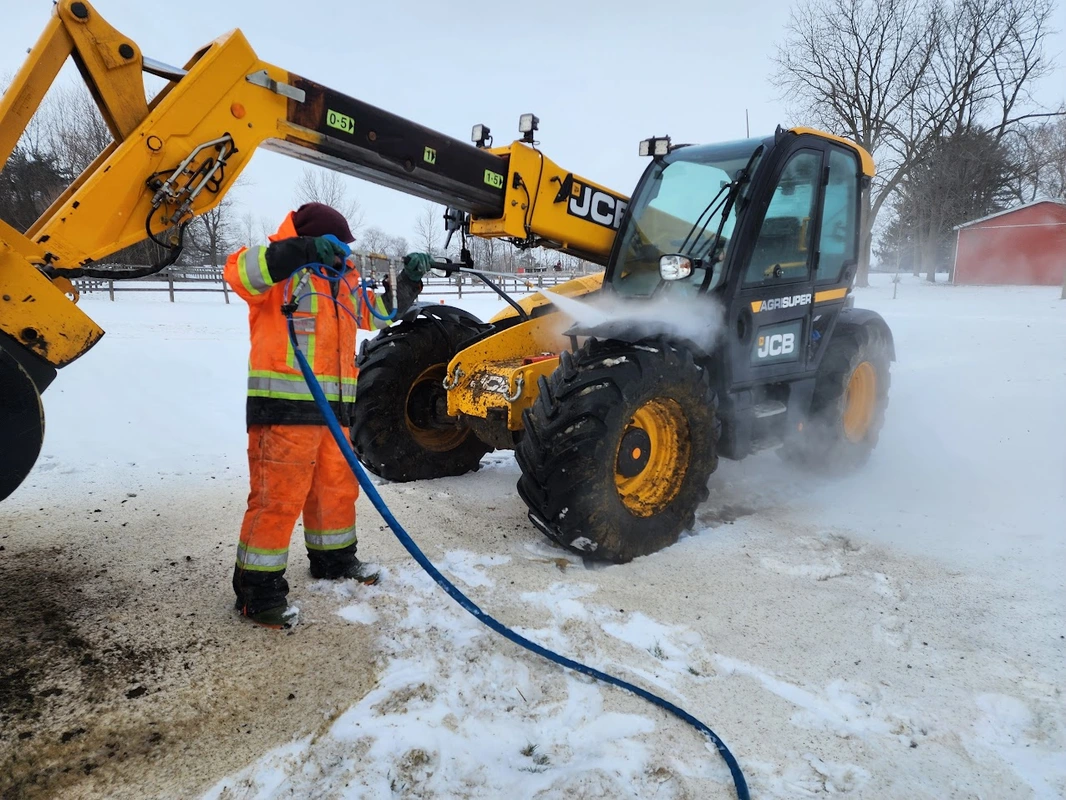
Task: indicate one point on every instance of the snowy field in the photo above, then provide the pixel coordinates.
(895, 634)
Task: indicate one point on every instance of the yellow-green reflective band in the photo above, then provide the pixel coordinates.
(306, 341)
(269, 561)
(378, 324)
(329, 540)
(256, 279)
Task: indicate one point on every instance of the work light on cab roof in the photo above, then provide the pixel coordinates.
(655, 146)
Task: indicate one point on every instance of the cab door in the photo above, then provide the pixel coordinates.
(772, 297)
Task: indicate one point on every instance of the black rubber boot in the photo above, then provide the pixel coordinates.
(335, 565)
(262, 596)
(279, 617)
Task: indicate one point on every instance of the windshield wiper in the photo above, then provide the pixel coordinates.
(742, 178)
(732, 188)
(707, 208)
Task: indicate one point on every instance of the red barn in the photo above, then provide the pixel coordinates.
(1022, 246)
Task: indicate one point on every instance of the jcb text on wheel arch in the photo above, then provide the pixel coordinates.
(618, 448)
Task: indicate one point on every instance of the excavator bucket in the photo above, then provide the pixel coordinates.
(21, 424)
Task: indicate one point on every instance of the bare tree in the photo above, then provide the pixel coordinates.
(963, 177)
(857, 68)
(29, 183)
(896, 76)
(396, 247)
(319, 185)
(428, 227)
(484, 252)
(1042, 149)
(216, 228)
(75, 130)
(247, 228)
(373, 240)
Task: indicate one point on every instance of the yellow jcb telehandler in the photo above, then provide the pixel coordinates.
(722, 324)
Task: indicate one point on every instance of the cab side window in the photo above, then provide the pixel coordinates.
(782, 249)
(838, 242)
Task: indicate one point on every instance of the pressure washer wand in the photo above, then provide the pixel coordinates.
(450, 268)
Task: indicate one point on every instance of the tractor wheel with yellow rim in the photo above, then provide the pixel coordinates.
(401, 430)
(618, 448)
(848, 406)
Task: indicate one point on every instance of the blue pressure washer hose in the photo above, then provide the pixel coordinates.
(405, 539)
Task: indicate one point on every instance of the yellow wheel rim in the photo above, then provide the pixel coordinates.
(652, 458)
(860, 399)
(421, 411)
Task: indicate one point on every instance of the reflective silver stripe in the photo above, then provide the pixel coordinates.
(304, 325)
(306, 304)
(252, 265)
(329, 541)
(264, 561)
(289, 386)
(348, 392)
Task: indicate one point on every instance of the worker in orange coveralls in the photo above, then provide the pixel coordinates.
(294, 463)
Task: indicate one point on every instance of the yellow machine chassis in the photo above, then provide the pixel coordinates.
(491, 376)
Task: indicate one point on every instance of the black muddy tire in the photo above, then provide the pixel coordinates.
(21, 424)
(401, 431)
(618, 448)
(848, 407)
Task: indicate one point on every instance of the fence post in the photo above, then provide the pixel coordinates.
(225, 289)
(111, 289)
(459, 283)
(170, 284)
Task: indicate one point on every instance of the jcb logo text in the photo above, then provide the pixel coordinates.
(776, 344)
(596, 206)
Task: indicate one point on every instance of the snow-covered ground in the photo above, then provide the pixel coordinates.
(895, 634)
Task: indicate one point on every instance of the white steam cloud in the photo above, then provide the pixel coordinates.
(699, 320)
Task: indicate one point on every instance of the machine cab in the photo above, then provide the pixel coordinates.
(758, 238)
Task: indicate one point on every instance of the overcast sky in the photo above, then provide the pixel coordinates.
(600, 75)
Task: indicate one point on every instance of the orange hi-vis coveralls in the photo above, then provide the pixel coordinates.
(295, 465)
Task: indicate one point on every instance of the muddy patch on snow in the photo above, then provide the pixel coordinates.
(57, 662)
(127, 673)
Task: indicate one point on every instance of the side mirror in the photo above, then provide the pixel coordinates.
(674, 267)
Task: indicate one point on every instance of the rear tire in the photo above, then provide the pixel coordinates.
(21, 424)
(401, 431)
(848, 407)
(618, 448)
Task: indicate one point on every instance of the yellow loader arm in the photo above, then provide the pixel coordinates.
(176, 157)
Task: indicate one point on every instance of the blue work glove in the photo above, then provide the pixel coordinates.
(416, 265)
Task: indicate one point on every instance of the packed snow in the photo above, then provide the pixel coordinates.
(895, 633)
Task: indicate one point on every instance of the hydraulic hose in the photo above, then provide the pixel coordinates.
(370, 307)
(739, 783)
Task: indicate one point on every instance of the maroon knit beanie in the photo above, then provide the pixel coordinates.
(318, 219)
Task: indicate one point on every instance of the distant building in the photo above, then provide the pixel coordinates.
(1024, 246)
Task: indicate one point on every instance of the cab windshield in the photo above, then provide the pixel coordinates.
(685, 200)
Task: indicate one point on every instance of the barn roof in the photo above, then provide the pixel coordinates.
(1012, 210)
